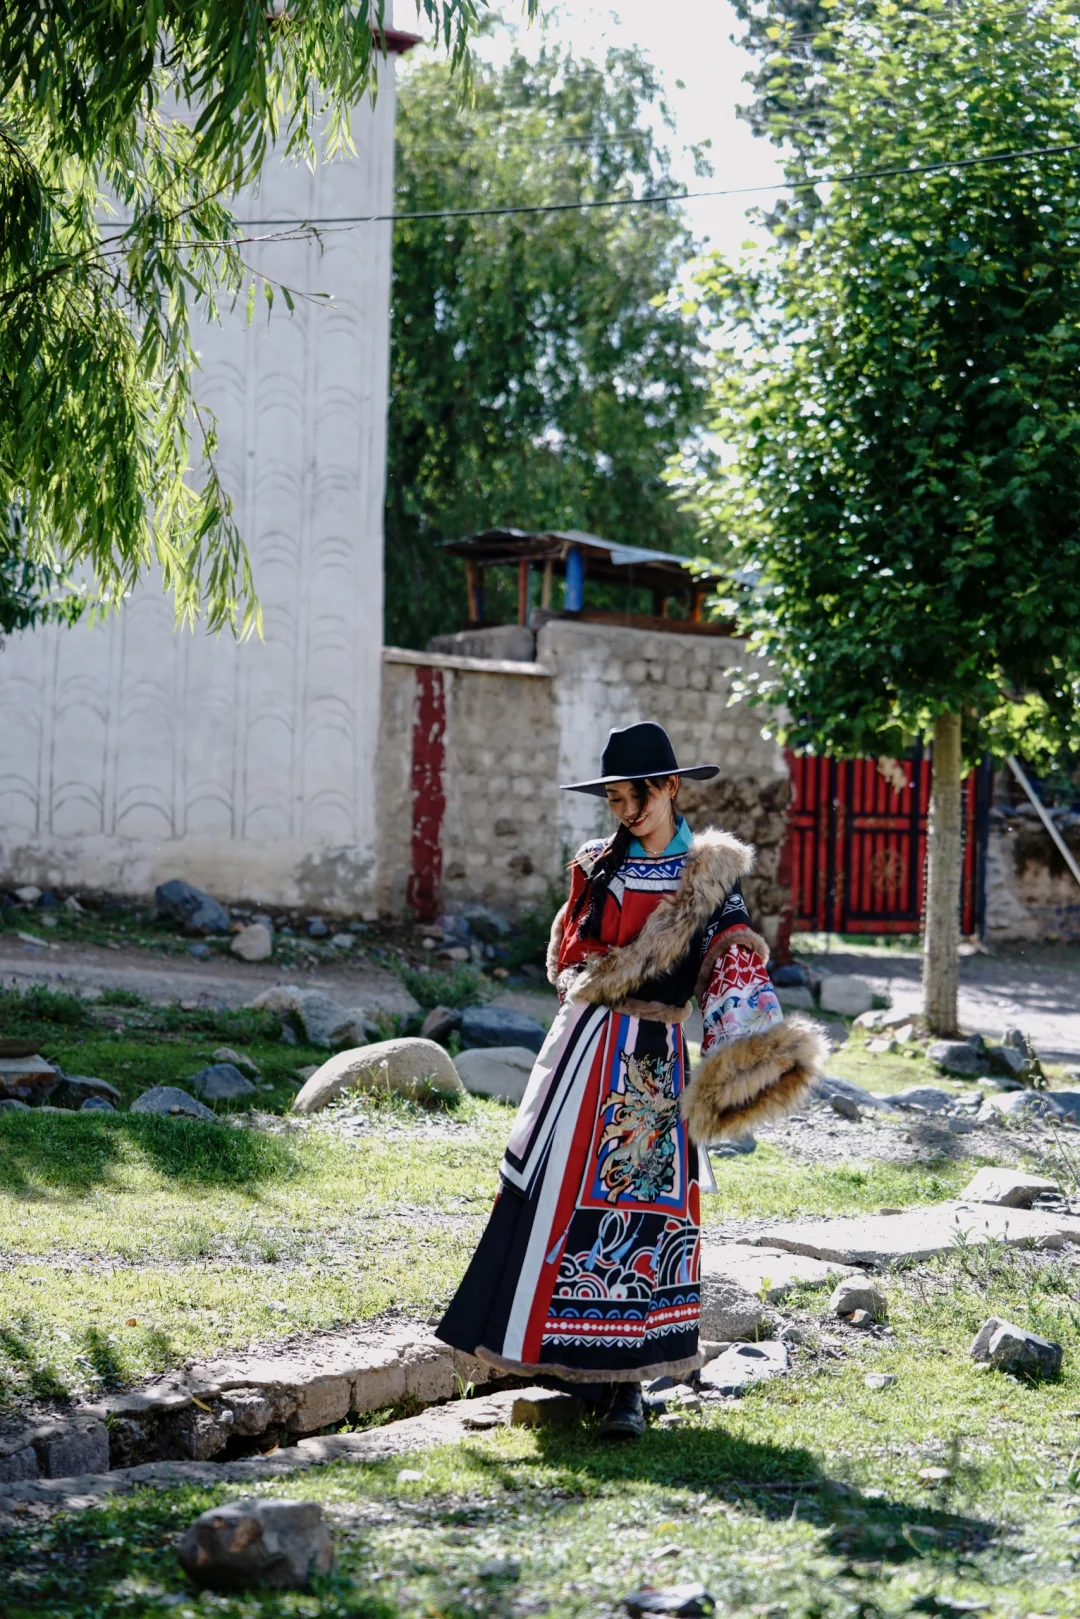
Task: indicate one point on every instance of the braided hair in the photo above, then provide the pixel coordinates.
(590, 904)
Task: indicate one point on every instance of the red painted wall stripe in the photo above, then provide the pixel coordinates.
(428, 794)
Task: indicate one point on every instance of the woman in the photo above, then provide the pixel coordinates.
(588, 1269)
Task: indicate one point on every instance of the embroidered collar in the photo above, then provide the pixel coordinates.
(679, 844)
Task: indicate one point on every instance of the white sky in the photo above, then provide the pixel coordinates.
(691, 43)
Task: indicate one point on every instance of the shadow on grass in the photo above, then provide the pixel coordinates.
(45, 1154)
(769, 1479)
(39, 1380)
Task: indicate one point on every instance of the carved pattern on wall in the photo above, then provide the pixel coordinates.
(133, 734)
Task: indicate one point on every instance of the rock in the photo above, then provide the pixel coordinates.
(878, 1239)
(28, 895)
(1012, 1188)
(11, 1104)
(795, 998)
(27, 1079)
(317, 928)
(844, 1105)
(220, 1083)
(17, 1466)
(195, 911)
(440, 1023)
(1008, 1061)
(790, 975)
(691, 1601)
(879, 1380)
(827, 1086)
(239, 1059)
(881, 1046)
(282, 998)
(1020, 1042)
(956, 1057)
(1067, 1103)
(170, 1099)
(860, 1318)
(926, 1097)
(500, 1026)
(74, 1090)
(96, 1104)
(904, 1034)
(846, 994)
(728, 1311)
(257, 1542)
(456, 952)
(342, 941)
(1014, 1104)
(1008, 1348)
(544, 1408)
(253, 943)
(410, 1066)
(859, 1293)
(71, 904)
(767, 1273)
(934, 1476)
(326, 1022)
(200, 952)
(499, 1071)
(79, 1444)
(485, 925)
(738, 1148)
(732, 1372)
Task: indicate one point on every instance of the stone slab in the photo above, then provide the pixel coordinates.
(733, 1372)
(1012, 1188)
(919, 1233)
(773, 1271)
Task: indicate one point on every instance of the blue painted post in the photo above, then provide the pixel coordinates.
(574, 599)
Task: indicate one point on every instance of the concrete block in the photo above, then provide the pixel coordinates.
(379, 1381)
(429, 1371)
(544, 1408)
(79, 1445)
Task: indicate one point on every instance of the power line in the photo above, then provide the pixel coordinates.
(501, 210)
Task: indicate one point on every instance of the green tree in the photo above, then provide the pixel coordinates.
(898, 390)
(542, 370)
(124, 128)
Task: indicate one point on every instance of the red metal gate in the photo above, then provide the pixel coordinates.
(856, 854)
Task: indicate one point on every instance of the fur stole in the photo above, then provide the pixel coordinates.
(713, 866)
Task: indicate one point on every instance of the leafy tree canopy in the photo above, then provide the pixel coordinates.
(124, 128)
(542, 370)
(898, 387)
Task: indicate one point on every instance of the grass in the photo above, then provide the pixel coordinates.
(803, 1501)
(131, 1241)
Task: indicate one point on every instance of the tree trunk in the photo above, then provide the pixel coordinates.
(944, 867)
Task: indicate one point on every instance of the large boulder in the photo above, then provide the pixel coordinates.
(196, 912)
(927, 1098)
(221, 1082)
(498, 1071)
(170, 1099)
(827, 1086)
(957, 1057)
(410, 1067)
(75, 1090)
(729, 1312)
(27, 1079)
(846, 994)
(500, 1026)
(257, 1542)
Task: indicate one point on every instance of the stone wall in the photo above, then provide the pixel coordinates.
(132, 752)
(511, 732)
(1030, 892)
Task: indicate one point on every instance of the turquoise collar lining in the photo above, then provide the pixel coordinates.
(679, 844)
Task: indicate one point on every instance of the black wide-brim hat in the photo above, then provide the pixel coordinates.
(635, 752)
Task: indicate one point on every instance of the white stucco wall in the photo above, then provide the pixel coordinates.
(132, 752)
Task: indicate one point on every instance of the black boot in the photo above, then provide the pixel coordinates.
(625, 1416)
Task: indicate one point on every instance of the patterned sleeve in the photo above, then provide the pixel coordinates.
(739, 998)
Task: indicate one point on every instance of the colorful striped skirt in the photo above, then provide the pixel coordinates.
(588, 1268)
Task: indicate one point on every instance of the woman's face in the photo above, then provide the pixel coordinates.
(650, 821)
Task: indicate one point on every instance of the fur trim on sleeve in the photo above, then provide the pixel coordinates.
(554, 945)
(753, 1080)
(714, 865)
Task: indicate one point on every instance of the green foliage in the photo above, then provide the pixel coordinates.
(897, 389)
(542, 368)
(20, 1012)
(460, 986)
(123, 127)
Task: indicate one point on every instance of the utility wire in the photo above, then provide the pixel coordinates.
(844, 178)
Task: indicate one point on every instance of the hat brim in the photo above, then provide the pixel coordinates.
(695, 772)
